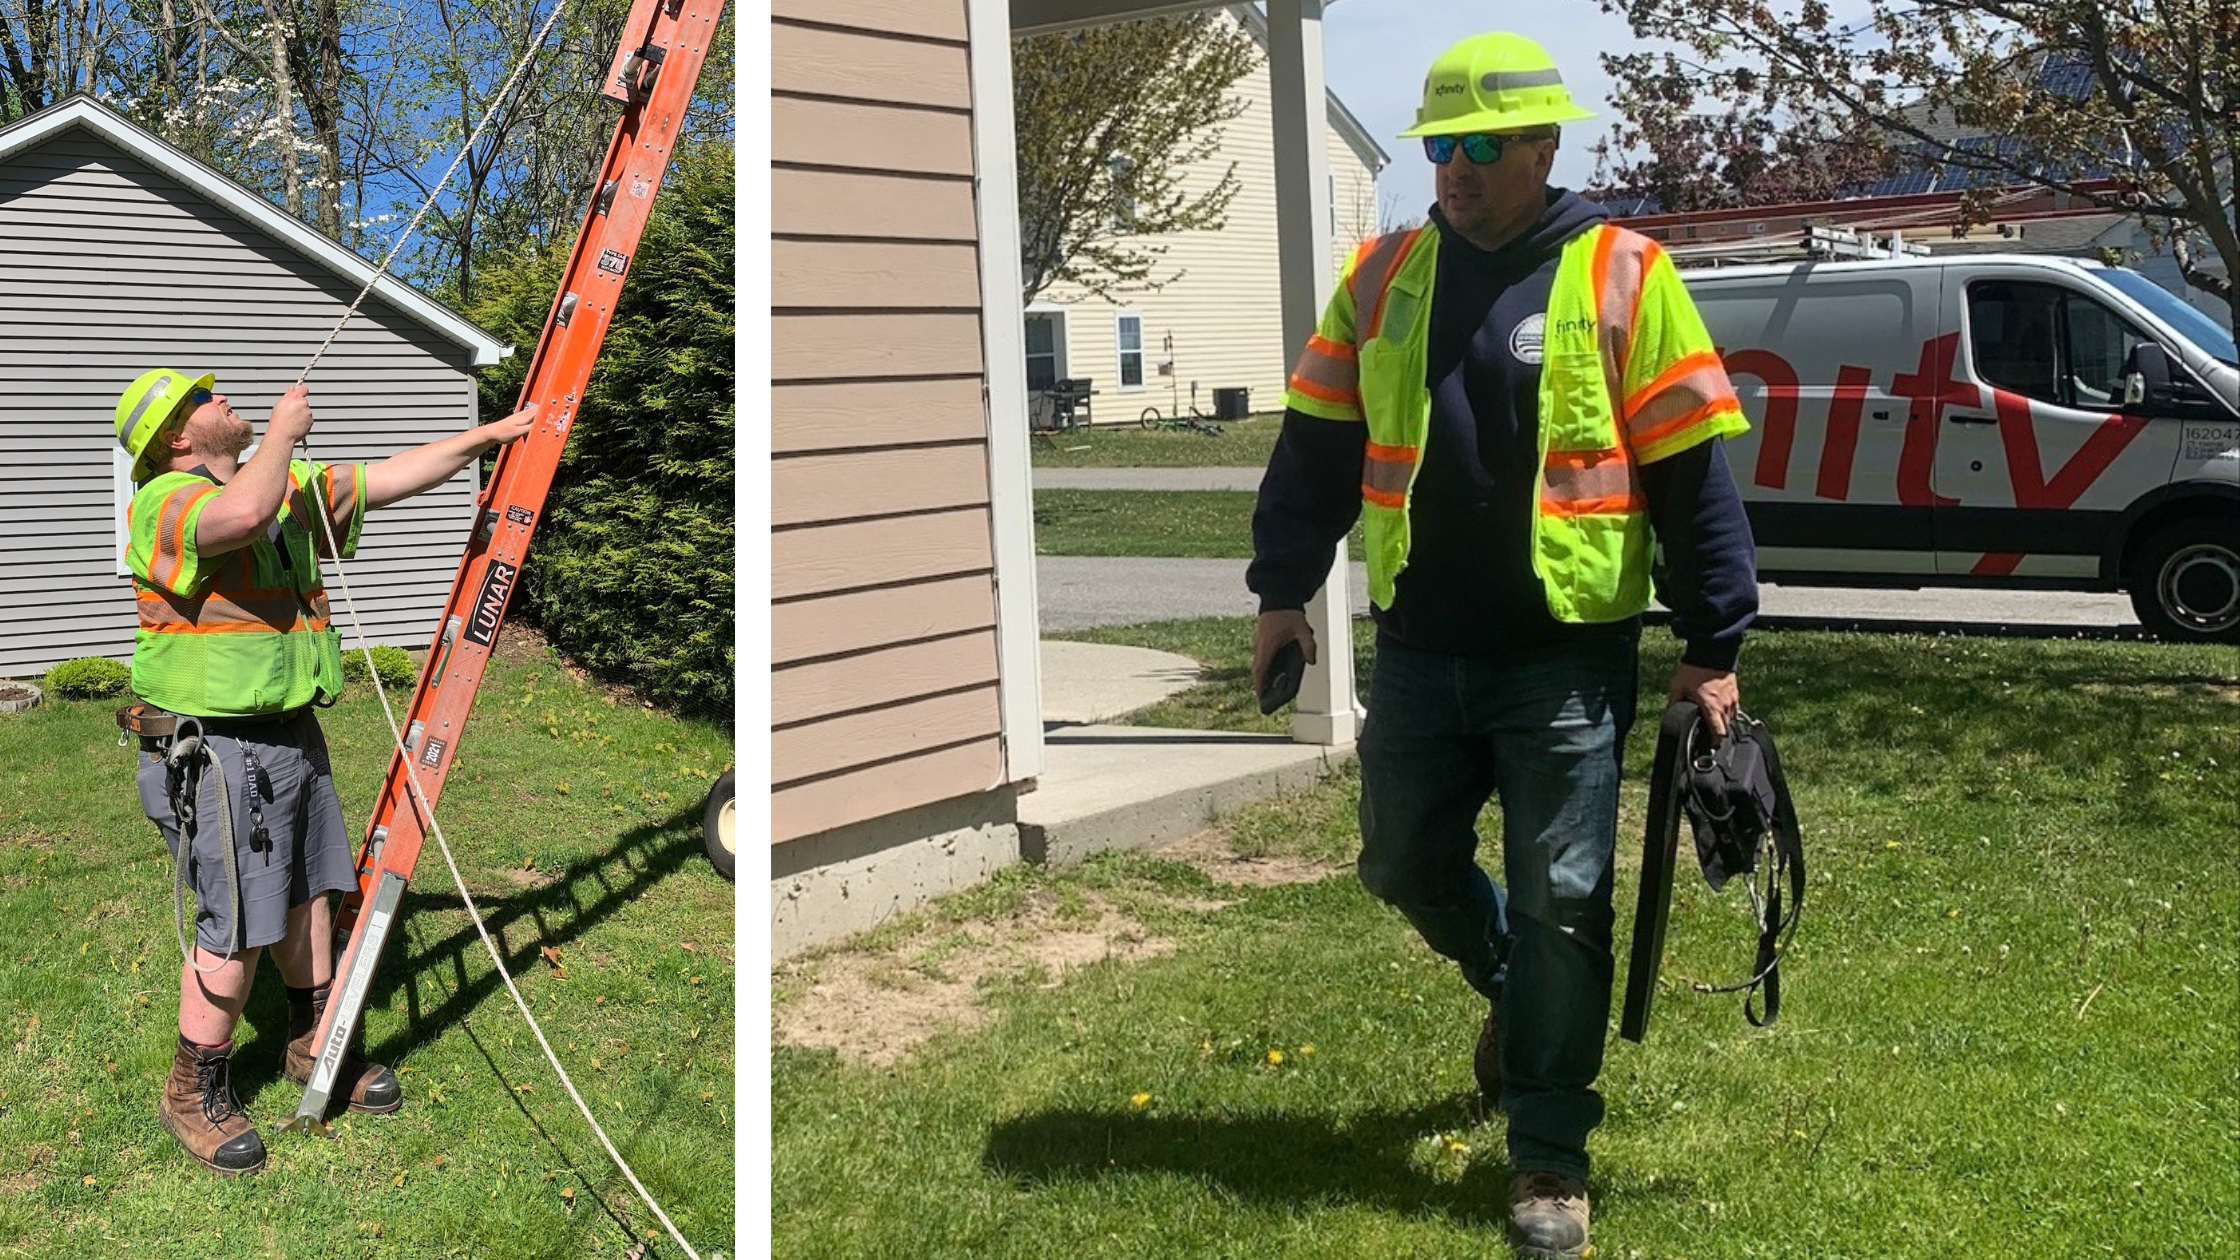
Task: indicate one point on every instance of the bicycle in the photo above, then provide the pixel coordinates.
(1192, 420)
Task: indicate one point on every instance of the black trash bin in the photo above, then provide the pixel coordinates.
(1229, 403)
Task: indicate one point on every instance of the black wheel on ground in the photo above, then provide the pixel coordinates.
(2185, 581)
(1150, 418)
(718, 832)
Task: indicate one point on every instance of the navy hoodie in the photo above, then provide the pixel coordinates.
(1469, 588)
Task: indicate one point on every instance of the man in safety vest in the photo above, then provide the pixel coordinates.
(1513, 399)
(234, 634)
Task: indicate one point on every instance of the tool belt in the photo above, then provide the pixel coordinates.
(156, 728)
(1737, 803)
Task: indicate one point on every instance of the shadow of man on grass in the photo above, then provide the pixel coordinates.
(1361, 1158)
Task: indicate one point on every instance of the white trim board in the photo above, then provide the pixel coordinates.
(1003, 333)
(85, 113)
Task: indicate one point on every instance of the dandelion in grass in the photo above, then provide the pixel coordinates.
(1275, 1058)
(1140, 1100)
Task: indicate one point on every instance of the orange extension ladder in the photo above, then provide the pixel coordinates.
(655, 72)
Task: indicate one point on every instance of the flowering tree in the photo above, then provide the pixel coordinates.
(1110, 121)
(1773, 99)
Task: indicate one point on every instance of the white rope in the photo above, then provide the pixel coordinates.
(412, 776)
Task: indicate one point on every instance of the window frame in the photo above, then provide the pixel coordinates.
(1056, 352)
(2064, 375)
(1121, 353)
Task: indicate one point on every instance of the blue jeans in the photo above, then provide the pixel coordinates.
(1544, 732)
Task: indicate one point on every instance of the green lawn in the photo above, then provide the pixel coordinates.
(576, 823)
(1115, 441)
(1203, 524)
(2011, 1017)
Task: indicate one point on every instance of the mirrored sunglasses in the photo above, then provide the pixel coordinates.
(1483, 148)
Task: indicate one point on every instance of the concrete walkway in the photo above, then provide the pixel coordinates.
(1148, 478)
(1137, 787)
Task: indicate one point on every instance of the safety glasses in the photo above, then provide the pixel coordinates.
(1483, 147)
(198, 396)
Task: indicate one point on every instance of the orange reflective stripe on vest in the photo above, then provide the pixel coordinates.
(231, 612)
(1372, 279)
(1328, 371)
(1580, 483)
(1385, 474)
(1618, 275)
(1688, 392)
(171, 525)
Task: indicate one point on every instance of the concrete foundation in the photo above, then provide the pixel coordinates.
(838, 883)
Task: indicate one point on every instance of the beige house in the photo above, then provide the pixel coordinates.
(905, 681)
(1216, 322)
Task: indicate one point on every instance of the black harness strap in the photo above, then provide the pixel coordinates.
(1740, 808)
(1737, 800)
(1660, 847)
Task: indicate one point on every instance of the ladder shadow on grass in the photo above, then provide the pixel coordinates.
(582, 896)
(557, 913)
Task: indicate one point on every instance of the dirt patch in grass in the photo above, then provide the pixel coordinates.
(876, 1006)
(1210, 852)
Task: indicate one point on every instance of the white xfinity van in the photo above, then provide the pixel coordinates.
(1994, 420)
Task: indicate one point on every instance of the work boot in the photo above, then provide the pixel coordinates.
(1486, 1062)
(200, 1109)
(370, 1087)
(1548, 1216)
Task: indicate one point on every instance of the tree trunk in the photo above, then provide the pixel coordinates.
(167, 66)
(27, 62)
(284, 111)
(322, 68)
(2222, 286)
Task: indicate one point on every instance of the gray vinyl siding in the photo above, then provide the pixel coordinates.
(109, 267)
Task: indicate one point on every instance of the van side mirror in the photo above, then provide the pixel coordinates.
(2146, 377)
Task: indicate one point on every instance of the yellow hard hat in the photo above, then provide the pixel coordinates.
(1493, 82)
(147, 404)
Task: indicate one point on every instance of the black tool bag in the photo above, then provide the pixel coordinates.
(1737, 803)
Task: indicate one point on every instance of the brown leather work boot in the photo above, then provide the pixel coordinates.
(1486, 1061)
(1548, 1216)
(370, 1087)
(200, 1109)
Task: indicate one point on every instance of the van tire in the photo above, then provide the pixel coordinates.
(718, 832)
(2185, 581)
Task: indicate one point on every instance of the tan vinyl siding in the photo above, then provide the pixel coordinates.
(884, 672)
(109, 267)
(1224, 309)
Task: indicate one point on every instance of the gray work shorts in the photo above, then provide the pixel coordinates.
(308, 852)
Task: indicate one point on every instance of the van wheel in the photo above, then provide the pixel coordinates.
(2185, 582)
(718, 832)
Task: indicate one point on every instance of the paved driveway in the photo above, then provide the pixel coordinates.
(1082, 591)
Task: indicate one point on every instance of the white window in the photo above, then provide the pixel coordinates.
(1131, 351)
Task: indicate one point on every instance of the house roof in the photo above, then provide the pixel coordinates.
(86, 114)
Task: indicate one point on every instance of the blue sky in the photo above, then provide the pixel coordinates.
(1375, 53)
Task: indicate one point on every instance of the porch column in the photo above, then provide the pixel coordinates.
(1326, 712)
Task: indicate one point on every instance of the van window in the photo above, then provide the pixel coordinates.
(2048, 343)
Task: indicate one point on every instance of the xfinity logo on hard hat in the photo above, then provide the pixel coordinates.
(1450, 89)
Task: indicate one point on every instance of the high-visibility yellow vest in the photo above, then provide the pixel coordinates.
(244, 633)
(1628, 377)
